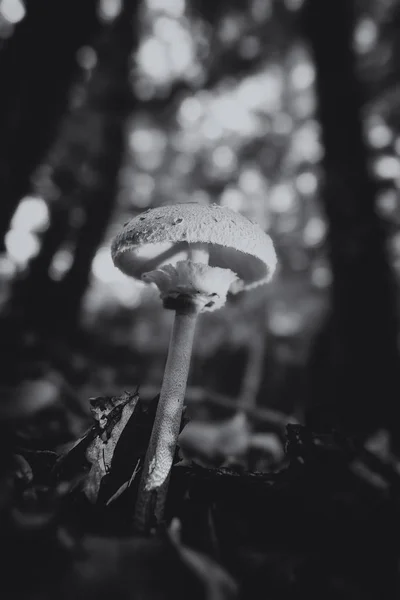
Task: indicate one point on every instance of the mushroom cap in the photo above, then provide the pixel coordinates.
(233, 241)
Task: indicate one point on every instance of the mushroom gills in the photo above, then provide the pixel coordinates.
(141, 260)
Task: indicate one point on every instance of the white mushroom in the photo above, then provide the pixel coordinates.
(228, 253)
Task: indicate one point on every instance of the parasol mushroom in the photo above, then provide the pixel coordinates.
(227, 253)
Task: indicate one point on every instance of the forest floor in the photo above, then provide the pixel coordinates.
(323, 523)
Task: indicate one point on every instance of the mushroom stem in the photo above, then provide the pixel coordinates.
(156, 261)
(161, 450)
(199, 253)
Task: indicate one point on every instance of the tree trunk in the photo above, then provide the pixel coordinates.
(37, 65)
(110, 102)
(355, 366)
(85, 168)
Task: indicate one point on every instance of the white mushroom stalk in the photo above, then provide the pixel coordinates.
(188, 288)
(198, 253)
(227, 253)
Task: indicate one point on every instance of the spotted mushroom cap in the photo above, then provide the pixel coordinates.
(233, 241)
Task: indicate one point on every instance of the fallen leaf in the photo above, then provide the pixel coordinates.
(144, 568)
(27, 398)
(23, 470)
(269, 446)
(213, 443)
(216, 582)
(112, 415)
(124, 486)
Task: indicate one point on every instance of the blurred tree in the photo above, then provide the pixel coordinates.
(79, 181)
(355, 364)
(111, 102)
(83, 175)
(37, 66)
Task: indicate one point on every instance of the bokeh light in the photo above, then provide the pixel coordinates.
(61, 263)
(21, 246)
(109, 10)
(365, 35)
(387, 167)
(174, 8)
(32, 214)
(12, 11)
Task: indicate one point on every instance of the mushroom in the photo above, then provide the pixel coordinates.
(225, 252)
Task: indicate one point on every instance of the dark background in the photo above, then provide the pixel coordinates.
(287, 111)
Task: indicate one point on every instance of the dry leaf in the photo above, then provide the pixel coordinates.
(112, 415)
(211, 444)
